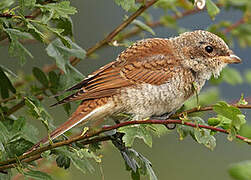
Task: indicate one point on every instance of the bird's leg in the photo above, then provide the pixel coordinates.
(164, 117)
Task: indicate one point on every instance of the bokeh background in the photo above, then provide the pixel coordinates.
(171, 158)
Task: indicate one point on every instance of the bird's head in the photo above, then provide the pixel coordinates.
(203, 51)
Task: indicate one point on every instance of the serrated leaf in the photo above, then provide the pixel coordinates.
(66, 24)
(16, 49)
(38, 175)
(40, 76)
(212, 9)
(183, 131)
(5, 85)
(63, 161)
(149, 169)
(17, 147)
(81, 163)
(139, 131)
(230, 112)
(58, 10)
(143, 26)
(142, 165)
(204, 137)
(62, 53)
(126, 4)
(38, 111)
(240, 171)
(34, 31)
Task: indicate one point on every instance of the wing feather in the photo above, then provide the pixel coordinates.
(149, 61)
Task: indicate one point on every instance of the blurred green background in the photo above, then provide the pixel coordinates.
(171, 158)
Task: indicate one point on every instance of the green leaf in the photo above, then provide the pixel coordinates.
(149, 169)
(231, 76)
(140, 131)
(142, 166)
(248, 76)
(5, 85)
(63, 161)
(229, 113)
(38, 112)
(16, 49)
(4, 133)
(26, 4)
(126, 4)
(213, 121)
(62, 53)
(58, 10)
(212, 9)
(38, 175)
(17, 147)
(40, 76)
(34, 31)
(143, 26)
(203, 136)
(78, 159)
(66, 24)
(240, 171)
(8, 71)
(183, 131)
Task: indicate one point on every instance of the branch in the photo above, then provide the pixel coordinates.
(234, 25)
(207, 108)
(7, 15)
(90, 136)
(109, 37)
(98, 45)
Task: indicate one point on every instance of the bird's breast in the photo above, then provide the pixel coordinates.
(146, 100)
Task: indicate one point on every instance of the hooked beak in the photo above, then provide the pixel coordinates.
(231, 59)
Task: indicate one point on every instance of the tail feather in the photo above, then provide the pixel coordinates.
(72, 97)
(80, 116)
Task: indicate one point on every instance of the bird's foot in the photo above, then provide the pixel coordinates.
(165, 117)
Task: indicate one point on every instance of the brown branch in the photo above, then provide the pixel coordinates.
(7, 15)
(89, 137)
(234, 25)
(109, 37)
(98, 45)
(207, 108)
(34, 14)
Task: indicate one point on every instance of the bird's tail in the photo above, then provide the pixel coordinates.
(87, 111)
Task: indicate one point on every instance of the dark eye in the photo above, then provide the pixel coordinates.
(209, 49)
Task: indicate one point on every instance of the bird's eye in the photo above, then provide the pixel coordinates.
(209, 49)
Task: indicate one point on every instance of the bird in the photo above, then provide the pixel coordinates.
(151, 78)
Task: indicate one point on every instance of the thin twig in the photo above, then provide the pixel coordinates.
(234, 25)
(109, 37)
(98, 45)
(33, 155)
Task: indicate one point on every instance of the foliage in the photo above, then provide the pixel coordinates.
(49, 23)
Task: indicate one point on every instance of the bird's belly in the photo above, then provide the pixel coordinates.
(147, 100)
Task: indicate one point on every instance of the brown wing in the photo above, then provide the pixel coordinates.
(148, 61)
